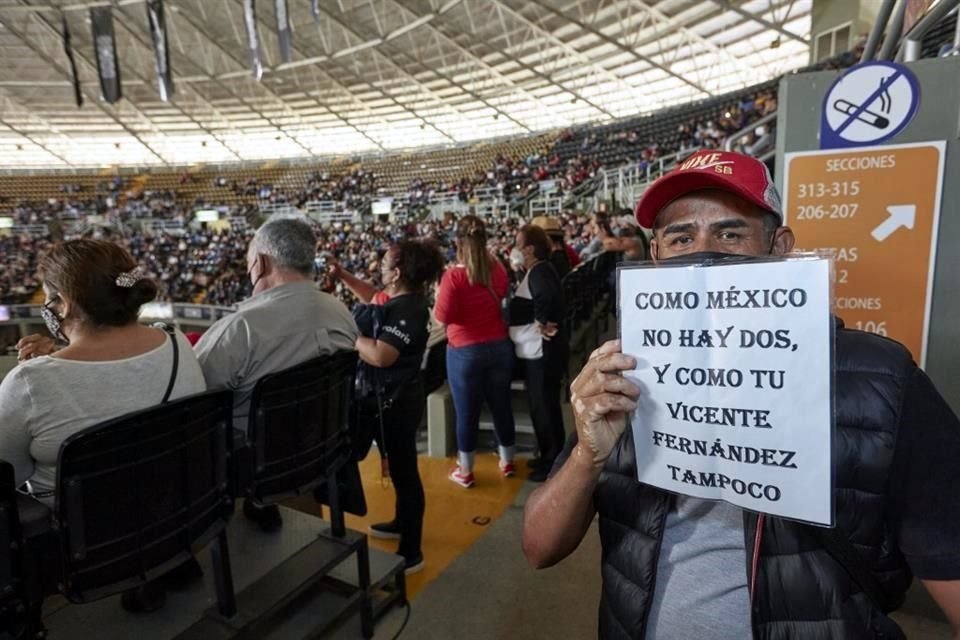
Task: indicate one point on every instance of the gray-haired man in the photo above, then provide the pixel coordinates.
(286, 321)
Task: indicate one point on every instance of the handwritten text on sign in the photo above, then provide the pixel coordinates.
(735, 363)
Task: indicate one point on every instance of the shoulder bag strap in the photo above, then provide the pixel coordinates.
(176, 362)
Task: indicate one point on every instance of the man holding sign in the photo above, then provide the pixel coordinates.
(677, 566)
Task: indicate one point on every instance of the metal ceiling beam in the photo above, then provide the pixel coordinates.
(421, 21)
(500, 8)
(492, 69)
(279, 101)
(616, 43)
(475, 59)
(198, 29)
(95, 99)
(730, 6)
(68, 6)
(313, 60)
(585, 60)
(473, 94)
(673, 25)
(20, 132)
(424, 88)
(253, 109)
(543, 57)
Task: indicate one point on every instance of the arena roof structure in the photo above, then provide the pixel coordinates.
(368, 76)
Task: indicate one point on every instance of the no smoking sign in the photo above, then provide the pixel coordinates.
(869, 104)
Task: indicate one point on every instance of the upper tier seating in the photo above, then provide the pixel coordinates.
(941, 34)
(622, 141)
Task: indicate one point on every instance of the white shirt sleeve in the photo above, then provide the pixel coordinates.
(16, 407)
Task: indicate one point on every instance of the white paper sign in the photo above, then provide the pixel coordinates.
(735, 363)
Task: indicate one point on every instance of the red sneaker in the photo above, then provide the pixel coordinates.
(465, 480)
(507, 469)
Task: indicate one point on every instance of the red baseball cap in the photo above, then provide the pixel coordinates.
(743, 175)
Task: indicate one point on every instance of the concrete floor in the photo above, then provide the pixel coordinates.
(489, 593)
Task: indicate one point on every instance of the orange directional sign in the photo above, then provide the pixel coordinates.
(878, 209)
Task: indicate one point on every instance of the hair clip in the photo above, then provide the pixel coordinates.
(130, 278)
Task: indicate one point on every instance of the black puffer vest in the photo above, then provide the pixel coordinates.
(801, 590)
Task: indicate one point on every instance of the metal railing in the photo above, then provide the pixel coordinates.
(483, 208)
(334, 216)
(239, 223)
(35, 230)
(180, 311)
(321, 211)
(911, 44)
(280, 209)
(626, 184)
(484, 201)
(164, 226)
(546, 204)
(321, 206)
(731, 140)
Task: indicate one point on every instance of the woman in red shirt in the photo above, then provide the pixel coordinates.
(479, 350)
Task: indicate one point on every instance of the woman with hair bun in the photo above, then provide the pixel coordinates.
(479, 351)
(109, 365)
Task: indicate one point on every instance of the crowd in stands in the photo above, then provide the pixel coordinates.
(352, 189)
(207, 265)
(18, 267)
(186, 266)
(79, 205)
(512, 178)
(629, 144)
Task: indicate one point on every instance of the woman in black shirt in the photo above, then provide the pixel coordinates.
(537, 331)
(408, 269)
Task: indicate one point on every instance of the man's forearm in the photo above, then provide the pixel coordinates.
(558, 514)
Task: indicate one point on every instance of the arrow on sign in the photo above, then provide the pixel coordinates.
(901, 215)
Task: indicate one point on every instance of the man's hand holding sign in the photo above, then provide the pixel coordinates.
(602, 400)
(724, 374)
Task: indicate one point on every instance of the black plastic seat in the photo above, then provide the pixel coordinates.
(435, 369)
(142, 493)
(14, 617)
(299, 433)
(572, 288)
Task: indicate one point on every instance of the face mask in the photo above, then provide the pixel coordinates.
(53, 322)
(516, 258)
(708, 258)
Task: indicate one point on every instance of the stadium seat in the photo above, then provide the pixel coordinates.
(17, 619)
(299, 433)
(136, 496)
(298, 442)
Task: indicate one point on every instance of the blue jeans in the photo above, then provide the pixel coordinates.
(476, 373)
